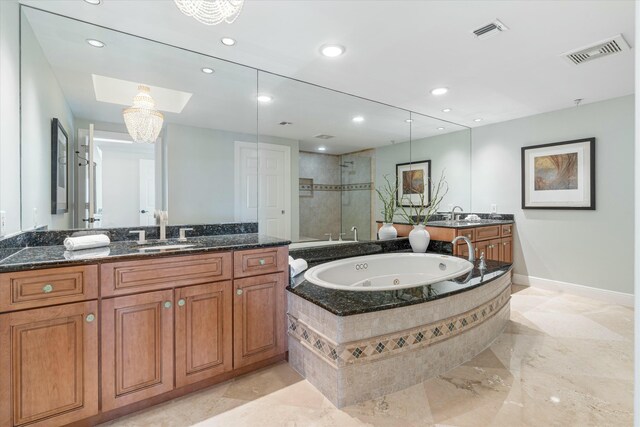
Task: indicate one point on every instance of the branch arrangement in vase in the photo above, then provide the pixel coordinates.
(387, 195)
(420, 213)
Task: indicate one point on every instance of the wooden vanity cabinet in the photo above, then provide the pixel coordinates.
(495, 241)
(49, 365)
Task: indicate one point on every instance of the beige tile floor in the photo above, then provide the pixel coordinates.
(562, 360)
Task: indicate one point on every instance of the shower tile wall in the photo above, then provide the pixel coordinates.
(357, 191)
(320, 213)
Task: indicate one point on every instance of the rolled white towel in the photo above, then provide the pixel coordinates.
(86, 242)
(87, 253)
(297, 266)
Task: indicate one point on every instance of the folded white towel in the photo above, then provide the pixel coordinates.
(86, 242)
(472, 217)
(87, 253)
(297, 266)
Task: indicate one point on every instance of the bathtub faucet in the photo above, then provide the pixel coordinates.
(472, 258)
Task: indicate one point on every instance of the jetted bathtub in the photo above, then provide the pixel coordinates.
(387, 271)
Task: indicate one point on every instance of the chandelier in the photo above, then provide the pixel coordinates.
(143, 121)
(211, 12)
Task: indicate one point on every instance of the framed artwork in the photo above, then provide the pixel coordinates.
(413, 179)
(561, 175)
(59, 168)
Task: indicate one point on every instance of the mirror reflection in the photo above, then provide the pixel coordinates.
(220, 143)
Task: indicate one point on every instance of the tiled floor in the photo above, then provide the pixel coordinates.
(563, 360)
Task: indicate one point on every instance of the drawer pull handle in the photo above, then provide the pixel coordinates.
(181, 302)
(239, 292)
(47, 288)
(90, 317)
(261, 261)
(167, 304)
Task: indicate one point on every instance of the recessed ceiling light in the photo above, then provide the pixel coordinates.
(228, 41)
(477, 120)
(93, 2)
(332, 50)
(207, 70)
(358, 119)
(95, 43)
(322, 148)
(439, 91)
(446, 110)
(440, 128)
(264, 98)
(409, 120)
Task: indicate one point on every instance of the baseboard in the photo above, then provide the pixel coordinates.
(612, 297)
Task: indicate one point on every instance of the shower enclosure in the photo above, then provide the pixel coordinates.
(335, 195)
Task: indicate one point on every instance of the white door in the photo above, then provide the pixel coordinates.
(264, 186)
(147, 191)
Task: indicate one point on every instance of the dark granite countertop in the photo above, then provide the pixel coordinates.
(29, 258)
(468, 224)
(347, 303)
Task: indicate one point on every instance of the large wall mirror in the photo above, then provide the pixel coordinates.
(208, 108)
(236, 144)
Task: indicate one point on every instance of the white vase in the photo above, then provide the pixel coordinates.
(419, 238)
(387, 231)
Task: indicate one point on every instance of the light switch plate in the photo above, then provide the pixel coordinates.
(3, 223)
(494, 208)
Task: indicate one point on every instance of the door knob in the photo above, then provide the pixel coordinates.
(239, 292)
(167, 304)
(181, 302)
(90, 317)
(47, 288)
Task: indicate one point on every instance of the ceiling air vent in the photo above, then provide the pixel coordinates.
(604, 48)
(323, 136)
(491, 29)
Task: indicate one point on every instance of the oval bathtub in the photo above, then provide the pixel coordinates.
(387, 271)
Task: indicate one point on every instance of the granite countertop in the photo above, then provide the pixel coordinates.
(468, 224)
(29, 258)
(347, 303)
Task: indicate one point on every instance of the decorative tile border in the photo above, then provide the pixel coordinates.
(339, 355)
(335, 187)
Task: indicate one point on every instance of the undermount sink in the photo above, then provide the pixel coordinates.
(164, 247)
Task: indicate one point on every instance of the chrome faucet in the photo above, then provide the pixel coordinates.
(453, 214)
(355, 233)
(330, 236)
(163, 221)
(472, 257)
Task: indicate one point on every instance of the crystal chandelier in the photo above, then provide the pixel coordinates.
(211, 12)
(143, 121)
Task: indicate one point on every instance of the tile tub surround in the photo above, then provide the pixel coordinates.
(354, 358)
(36, 257)
(56, 237)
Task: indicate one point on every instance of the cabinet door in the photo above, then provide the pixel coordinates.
(49, 365)
(258, 318)
(203, 332)
(493, 250)
(137, 348)
(506, 250)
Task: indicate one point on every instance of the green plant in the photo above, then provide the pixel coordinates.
(387, 195)
(420, 213)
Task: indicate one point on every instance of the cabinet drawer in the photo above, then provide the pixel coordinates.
(39, 288)
(507, 230)
(128, 277)
(491, 232)
(260, 261)
(469, 233)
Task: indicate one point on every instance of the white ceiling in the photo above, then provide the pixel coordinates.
(398, 50)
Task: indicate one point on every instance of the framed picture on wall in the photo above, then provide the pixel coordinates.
(413, 180)
(561, 175)
(59, 168)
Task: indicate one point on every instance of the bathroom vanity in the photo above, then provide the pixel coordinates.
(85, 341)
